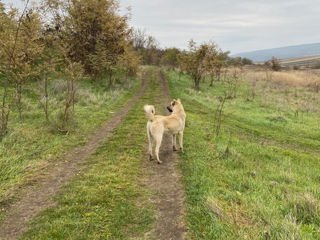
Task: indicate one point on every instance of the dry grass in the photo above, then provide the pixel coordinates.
(292, 78)
(231, 213)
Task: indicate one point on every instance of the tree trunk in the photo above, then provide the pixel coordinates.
(19, 97)
(211, 82)
(110, 80)
(66, 109)
(197, 83)
(4, 113)
(73, 93)
(46, 97)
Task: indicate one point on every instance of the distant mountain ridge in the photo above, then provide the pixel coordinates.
(304, 50)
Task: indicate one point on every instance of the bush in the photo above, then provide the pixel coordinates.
(63, 125)
(296, 67)
(275, 64)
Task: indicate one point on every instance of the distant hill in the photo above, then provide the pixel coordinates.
(304, 50)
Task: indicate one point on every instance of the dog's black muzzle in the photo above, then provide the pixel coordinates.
(169, 109)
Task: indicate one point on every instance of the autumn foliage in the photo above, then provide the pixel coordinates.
(72, 39)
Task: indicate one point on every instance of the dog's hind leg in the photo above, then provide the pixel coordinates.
(150, 138)
(181, 141)
(174, 142)
(158, 140)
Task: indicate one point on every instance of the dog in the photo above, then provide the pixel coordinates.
(157, 125)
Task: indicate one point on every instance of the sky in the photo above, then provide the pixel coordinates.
(235, 25)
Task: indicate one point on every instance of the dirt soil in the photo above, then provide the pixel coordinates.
(41, 195)
(165, 180)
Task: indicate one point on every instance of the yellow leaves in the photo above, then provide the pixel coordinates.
(95, 33)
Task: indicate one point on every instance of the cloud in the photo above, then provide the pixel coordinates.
(236, 25)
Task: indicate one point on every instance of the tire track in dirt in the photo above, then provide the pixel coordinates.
(165, 180)
(40, 196)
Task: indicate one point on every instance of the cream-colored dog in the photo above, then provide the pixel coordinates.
(157, 125)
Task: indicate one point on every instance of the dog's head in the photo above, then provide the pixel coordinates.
(173, 105)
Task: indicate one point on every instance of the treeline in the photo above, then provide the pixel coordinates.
(199, 61)
(66, 39)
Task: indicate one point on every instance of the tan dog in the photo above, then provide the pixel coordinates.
(157, 125)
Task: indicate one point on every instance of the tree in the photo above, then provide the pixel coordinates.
(50, 58)
(129, 62)
(246, 61)
(20, 49)
(66, 37)
(193, 62)
(170, 57)
(275, 64)
(146, 46)
(211, 61)
(93, 31)
(221, 63)
(25, 61)
(138, 39)
(103, 62)
(6, 24)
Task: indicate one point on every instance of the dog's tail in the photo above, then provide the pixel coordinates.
(150, 112)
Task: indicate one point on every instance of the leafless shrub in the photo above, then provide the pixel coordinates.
(219, 113)
(229, 93)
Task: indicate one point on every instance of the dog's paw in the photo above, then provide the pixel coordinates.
(181, 150)
(174, 149)
(159, 162)
(151, 158)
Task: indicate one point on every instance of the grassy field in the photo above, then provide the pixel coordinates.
(260, 177)
(31, 143)
(108, 200)
(312, 61)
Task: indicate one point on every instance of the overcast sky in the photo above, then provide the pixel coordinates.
(236, 25)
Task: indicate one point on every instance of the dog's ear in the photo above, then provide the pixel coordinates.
(179, 100)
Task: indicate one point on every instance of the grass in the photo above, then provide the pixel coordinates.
(260, 178)
(293, 78)
(31, 143)
(108, 199)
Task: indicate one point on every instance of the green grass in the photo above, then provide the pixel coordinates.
(108, 200)
(260, 178)
(31, 143)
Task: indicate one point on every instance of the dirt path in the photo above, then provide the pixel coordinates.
(40, 196)
(165, 179)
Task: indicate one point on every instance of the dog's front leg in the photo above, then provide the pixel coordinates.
(181, 141)
(174, 142)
